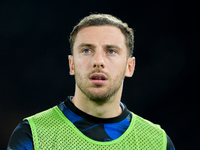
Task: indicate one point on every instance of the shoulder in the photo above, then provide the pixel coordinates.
(149, 132)
(139, 121)
(21, 137)
(49, 112)
(147, 127)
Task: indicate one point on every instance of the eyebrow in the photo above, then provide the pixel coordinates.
(86, 45)
(113, 46)
(93, 46)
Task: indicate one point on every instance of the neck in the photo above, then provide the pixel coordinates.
(108, 109)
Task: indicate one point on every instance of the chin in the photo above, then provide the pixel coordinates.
(99, 97)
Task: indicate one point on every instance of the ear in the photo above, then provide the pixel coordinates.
(130, 67)
(71, 65)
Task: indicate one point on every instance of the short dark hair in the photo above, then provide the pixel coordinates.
(101, 20)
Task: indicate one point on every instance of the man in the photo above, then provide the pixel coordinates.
(94, 118)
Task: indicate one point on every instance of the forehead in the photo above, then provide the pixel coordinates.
(100, 35)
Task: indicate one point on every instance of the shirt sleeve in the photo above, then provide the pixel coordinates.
(21, 138)
(170, 145)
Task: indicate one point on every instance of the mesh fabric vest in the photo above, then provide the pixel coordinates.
(52, 130)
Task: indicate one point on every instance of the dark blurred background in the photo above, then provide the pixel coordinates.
(34, 72)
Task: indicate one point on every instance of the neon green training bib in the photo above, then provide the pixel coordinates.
(51, 130)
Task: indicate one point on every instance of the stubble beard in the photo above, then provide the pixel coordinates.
(103, 95)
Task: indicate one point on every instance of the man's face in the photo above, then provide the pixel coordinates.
(100, 62)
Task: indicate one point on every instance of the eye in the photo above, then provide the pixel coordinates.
(111, 51)
(86, 51)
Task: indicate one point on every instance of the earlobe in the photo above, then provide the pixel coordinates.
(71, 65)
(130, 67)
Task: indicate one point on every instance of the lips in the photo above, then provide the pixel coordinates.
(98, 78)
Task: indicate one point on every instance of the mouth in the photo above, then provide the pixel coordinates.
(98, 78)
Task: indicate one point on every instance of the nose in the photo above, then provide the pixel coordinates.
(99, 60)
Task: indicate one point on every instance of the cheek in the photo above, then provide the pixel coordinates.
(117, 65)
(120, 69)
(81, 64)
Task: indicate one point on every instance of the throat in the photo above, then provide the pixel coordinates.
(98, 109)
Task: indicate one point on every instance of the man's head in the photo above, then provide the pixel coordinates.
(102, 20)
(101, 57)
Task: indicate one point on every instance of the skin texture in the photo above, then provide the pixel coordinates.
(100, 53)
